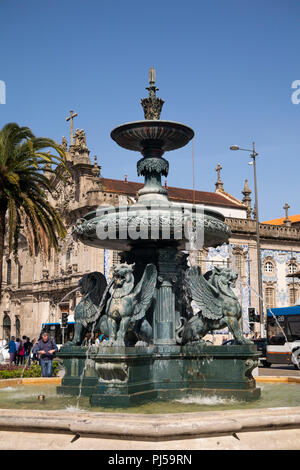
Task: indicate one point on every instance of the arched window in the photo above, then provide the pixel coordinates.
(18, 327)
(68, 257)
(269, 267)
(6, 327)
(19, 275)
(8, 271)
(292, 268)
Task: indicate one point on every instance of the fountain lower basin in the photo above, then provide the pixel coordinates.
(24, 396)
(125, 376)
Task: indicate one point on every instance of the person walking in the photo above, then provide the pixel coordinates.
(17, 343)
(45, 350)
(21, 352)
(28, 347)
(12, 350)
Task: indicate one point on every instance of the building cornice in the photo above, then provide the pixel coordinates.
(248, 226)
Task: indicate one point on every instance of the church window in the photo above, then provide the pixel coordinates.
(270, 297)
(293, 294)
(18, 327)
(292, 268)
(239, 264)
(8, 273)
(19, 275)
(269, 267)
(116, 258)
(6, 327)
(68, 257)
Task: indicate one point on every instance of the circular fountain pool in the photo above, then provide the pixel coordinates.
(25, 397)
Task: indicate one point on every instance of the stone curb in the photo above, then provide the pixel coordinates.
(149, 427)
(153, 427)
(58, 380)
(281, 379)
(30, 381)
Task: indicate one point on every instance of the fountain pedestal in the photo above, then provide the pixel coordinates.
(127, 376)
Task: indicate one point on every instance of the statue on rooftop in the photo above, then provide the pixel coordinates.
(77, 137)
(82, 138)
(64, 144)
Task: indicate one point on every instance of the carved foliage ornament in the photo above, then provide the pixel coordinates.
(152, 165)
(152, 107)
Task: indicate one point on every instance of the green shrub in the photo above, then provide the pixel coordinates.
(15, 372)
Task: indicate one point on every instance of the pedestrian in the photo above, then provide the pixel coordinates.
(28, 347)
(45, 350)
(17, 342)
(12, 350)
(87, 340)
(96, 339)
(102, 338)
(33, 349)
(21, 353)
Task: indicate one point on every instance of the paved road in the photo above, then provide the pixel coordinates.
(278, 370)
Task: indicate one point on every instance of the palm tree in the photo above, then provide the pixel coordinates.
(23, 191)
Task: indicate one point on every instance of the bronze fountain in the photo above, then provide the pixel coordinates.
(155, 348)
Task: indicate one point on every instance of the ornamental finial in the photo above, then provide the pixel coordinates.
(152, 106)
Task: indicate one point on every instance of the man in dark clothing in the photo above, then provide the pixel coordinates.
(45, 350)
(28, 347)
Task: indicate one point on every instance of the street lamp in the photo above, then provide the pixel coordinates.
(253, 155)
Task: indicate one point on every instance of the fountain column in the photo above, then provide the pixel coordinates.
(164, 312)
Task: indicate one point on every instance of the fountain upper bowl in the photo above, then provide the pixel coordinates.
(165, 135)
(119, 228)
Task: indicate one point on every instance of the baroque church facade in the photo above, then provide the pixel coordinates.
(37, 290)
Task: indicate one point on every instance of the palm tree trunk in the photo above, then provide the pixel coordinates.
(2, 238)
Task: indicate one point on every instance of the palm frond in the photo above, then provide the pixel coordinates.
(24, 187)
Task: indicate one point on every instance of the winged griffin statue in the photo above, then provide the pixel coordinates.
(93, 287)
(218, 306)
(127, 305)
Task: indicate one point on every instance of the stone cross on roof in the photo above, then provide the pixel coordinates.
(70, 118)
(219, 183)
(287, 221)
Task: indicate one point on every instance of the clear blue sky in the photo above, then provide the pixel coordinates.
(224, 68)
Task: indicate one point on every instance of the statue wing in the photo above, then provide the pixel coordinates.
(206, 297)
(144, 292)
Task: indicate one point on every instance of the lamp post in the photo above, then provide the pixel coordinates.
(253, 155)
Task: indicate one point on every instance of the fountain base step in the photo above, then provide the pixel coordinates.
(124, 376)
(116, 401)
